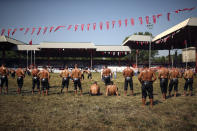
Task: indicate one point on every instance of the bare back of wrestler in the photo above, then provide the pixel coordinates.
(128, 73)
(188, 76)
(65, 74)
(111, 90)
(35, 79)
(163, 76)
(95, 89)
(4, 78)
(20, 75)
(147, 77)
(106, 74)
(76, 77)
(44, 76)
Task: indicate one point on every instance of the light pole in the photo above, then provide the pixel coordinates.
(150, 26)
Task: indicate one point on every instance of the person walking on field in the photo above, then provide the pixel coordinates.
(174, 75)
(76, 77)
(44, 76)
(188, 76)
(163, 76)
(65, 74)
(128, 73)
(20, 75)
(4, 73)
(35, 79)
(146, 78)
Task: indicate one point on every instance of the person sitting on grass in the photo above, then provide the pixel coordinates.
(111, 89)
(95, 89)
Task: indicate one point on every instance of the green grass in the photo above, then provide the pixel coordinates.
(68, 112)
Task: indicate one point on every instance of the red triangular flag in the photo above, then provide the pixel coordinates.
(9, 32)
(58, 28)
(158, 15)
(113, 23)
(126, 22)
(132, 21)
(51, 28)
(30, 42)
(147, 19)
(94, 26)
(21, 29)
(168, 15)
(88, 27)
(82, 26)
(39, 30)
(26, 31)
(2, 32)
(101, 25)
(45, 29)
(33, 30)
(69, 27)
(140, 19)
(14, 31)
(76, 27)
(107, 23)
(154, 19)
(119, 22)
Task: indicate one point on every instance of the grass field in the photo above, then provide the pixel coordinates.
(68, 112)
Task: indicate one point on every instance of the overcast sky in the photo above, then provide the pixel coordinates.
(47, 13)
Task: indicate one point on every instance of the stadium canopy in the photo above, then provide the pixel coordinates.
(177, 37)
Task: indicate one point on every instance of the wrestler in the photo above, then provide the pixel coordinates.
(95, 89)
(65, 74)
(188, 76)
(89, 74)
(111, 89)
(20, 75)
(44, 77)
(106, 74)
(163, 76)
(174, 74)
(4, 73)
(12, 72)
(146, 78)
(128, 73)
(35, 79)
(76, 77)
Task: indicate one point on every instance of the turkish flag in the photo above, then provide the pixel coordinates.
(51, 28)
(154, 19)
(33, 30)
(88, 27)
(39, 30)
(132, 21)
(140, 19)
(147, 19)
(107, 23)
(158, 15)
(76, 27)
(113, 23)
(58, 28)
(69, 27)
(82, 27)
(101, 25)
(9, 30)
(45, 29)
(168, 16)
(119, 22)
(14, 31)
(2, 32)
(126, 22)
(21, 29)
(30, 42)
(94, 26)
(26, 31)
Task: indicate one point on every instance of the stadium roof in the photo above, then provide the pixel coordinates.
(5, 39)
(26, 47)
(67, 45)
(112, 48)
(143, 38)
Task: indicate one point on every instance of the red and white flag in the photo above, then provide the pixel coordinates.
(82, 27)
(132, 21)
(51, 28)
(101, 25)
(126, 22)
(9, 30)
(21, 29)
(39, 29)
(94, 26)
(69, 27)
(140, 19)
(107, 23)
(45, 29)
(88, 27)
(2, 32)
(158, 15)
(168, 16)
(26, 31)
(33, 30)
(14, 31)
(147, 19)
(119, 22)
(58, 28)
(76, 27)
(154, 19)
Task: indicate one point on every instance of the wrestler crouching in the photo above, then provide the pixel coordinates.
(95, 89)
(146, 78)
(44, 77)
(111, 89)
(20, 75)
(76, 78)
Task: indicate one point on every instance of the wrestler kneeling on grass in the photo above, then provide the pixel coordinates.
(20, 75)
(111, 89)
(44, 77)
(76, 77)
(147, 77)
(95, 89)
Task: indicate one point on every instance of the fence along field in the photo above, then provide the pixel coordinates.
(68, 112)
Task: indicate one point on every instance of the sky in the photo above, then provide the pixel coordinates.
(47, 13)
